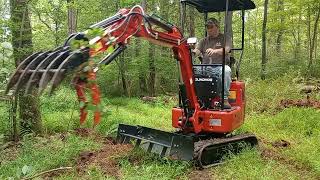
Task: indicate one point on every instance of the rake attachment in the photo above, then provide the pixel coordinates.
(46, 70)
(43, 69)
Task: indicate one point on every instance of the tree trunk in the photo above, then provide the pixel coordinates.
(122, 65)
(280, 8)
(72, 17)
(122, 69)
(297, 48)
(22, 47)
(142, 79)
(313, 38)
(264, 46)
(152, 70)
(191, 27)
(255, 31)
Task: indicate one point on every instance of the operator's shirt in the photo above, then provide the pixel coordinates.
(214, 43)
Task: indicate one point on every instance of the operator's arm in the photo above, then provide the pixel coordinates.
(219, 51)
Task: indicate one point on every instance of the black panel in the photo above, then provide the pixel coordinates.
(207, 86)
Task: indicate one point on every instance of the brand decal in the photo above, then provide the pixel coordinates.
(204, 79)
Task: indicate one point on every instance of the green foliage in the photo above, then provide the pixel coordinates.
(39, 154)
(151, 167)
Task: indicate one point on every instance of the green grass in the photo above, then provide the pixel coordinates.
(249, 165)
(44, 153)
(299, 126)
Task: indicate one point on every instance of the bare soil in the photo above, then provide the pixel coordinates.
(281, 144)
(105, 158)
(196, 174)
(285, 103)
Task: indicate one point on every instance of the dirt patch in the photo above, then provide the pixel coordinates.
(196, 174)
(84, 132)
(9, 152)
(285, 103)
(281, 144)
(105, 158)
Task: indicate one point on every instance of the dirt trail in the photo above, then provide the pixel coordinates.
(274, 153)
(300, 103)
(105, 158)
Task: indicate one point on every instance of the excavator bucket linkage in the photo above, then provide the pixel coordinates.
(204, 152)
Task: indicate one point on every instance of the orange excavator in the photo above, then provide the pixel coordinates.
(204, 127)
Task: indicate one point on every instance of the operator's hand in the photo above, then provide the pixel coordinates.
(196, 51)
(211, 51)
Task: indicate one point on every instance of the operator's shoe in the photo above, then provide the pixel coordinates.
(226, 104)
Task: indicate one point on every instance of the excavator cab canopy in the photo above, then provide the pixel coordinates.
(217, 6)
(205, 6)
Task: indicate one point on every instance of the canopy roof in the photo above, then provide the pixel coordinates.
(219, 5)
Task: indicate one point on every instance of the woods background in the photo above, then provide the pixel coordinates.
(290, 27)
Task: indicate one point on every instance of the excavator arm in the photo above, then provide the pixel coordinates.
(46, 70)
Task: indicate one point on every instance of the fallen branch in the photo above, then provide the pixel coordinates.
(6, 145)
(45, 172)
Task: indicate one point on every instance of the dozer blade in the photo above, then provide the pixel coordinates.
(15, 76)
(203, 151)
(25, 74)
(40, 69)
(176, 146)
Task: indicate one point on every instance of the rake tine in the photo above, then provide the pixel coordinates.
(55, 79)
(33, 78)
(46, 76)
(14, 77)
(24, 74)
(58, 76)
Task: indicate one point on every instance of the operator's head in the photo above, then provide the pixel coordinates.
(212, 26)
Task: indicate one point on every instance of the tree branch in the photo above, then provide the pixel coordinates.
(48, 171)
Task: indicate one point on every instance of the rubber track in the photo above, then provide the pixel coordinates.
(200, 146)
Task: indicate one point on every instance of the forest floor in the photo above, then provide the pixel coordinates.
(286, 122)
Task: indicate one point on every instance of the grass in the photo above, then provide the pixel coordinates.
(299, 126)
(44, 153)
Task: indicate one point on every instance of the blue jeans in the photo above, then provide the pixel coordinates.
(216, 71)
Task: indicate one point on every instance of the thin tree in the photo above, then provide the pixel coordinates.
(312, 39)
(72, 17)
(142, 79)
(264, 46)
(152, 69)
(280, 9)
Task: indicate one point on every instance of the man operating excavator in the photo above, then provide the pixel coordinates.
(210, 49)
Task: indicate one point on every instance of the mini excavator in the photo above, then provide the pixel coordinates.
(204, 127)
